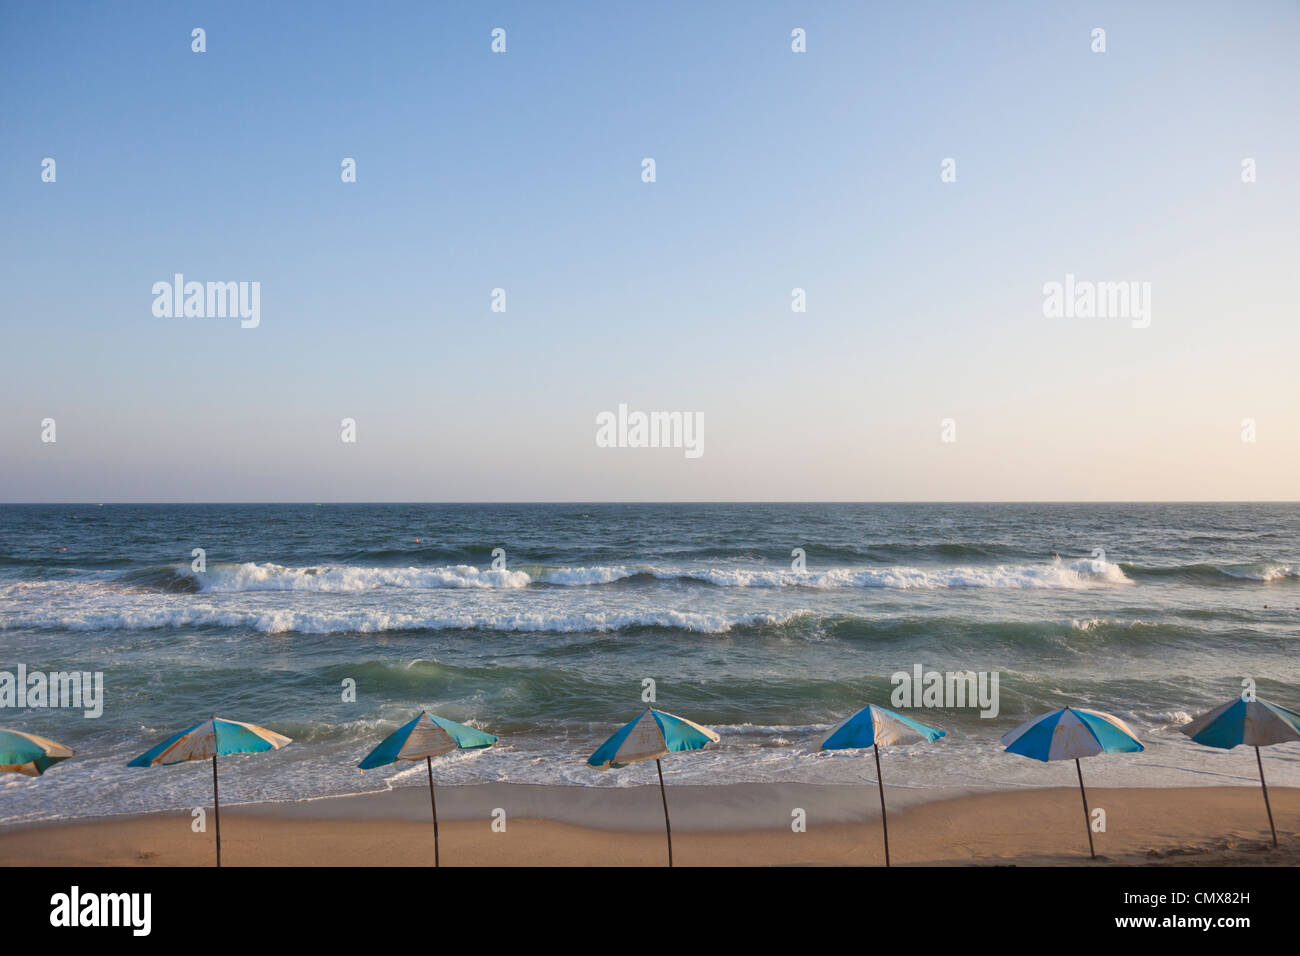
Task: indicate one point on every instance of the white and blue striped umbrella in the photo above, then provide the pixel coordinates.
(1069, 734)
(210, 739)
(876, 727)
(1245, 720)
(426, 737)
(29, 754)
(652, 735)
(1251, 722)
(207, 740)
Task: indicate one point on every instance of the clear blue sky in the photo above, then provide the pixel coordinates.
(775, 170)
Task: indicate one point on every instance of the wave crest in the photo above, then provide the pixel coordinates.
(366, 621)
(252, 576)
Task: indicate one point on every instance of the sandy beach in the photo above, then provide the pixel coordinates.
(733, 825)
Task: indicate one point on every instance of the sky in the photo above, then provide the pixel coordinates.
(774, 170)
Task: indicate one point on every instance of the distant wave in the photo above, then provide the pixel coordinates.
(344, 578)
(429, 553)
(251, 576)
(1261, 572)
(46, 612)
(1055, 574)
(363, 621)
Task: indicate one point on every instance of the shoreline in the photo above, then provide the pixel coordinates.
(729, 824)
(747, 806)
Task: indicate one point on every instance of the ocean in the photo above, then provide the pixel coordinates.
(1154, 612)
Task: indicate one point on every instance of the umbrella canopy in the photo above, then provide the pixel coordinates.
(1251, 722)
(650, 736)
(210, 739)
(1069, 734)
(876, 727)
(29, 754)
(207, 740)
(426, 737)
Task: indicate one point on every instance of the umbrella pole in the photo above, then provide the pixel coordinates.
(428, 762)
(667, 823)
(216, 807)
(1087, 817)
(883, 821)
(1263, 786)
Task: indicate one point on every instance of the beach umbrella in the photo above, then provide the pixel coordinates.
(210, 739)
(876, 727)
(1250, 721)
(1070, 734)
(650, 736)
(28, 754)
(426, 737)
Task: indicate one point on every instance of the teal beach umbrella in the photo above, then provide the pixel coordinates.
(1069, 734)
(29, 754)
(876, 727)
(1250, 721)
(209, 739)
(426, 737)
(650, 736)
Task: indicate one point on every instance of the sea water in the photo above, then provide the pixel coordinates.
(766, 622)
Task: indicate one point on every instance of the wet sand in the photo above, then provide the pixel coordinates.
(731, 825)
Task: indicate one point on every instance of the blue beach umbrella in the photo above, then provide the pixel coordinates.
(209, 739)
(426, 737)
(1069, 734)
(1250, 721)
(876, 727)
(650, 736)
(28, 754)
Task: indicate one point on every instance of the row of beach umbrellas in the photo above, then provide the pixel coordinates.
(1071, 733)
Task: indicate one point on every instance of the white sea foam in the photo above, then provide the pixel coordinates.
(1057, 574)
(282, 620)
(578, 577)
(252, 576)
(1266, 573)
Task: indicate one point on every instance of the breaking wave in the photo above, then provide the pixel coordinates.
(252, 576)
(363, 621)
(1260, 572)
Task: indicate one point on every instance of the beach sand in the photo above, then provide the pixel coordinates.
(739, 825)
